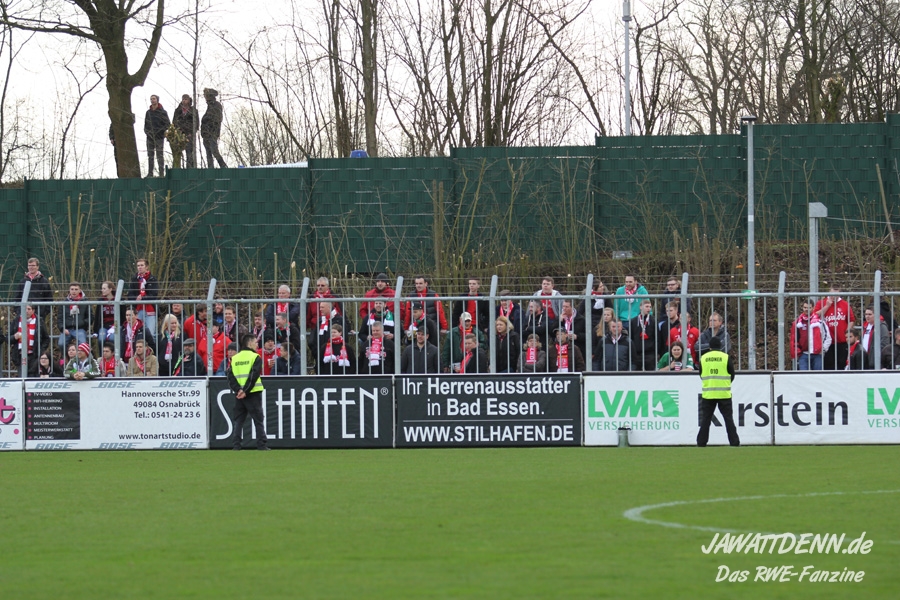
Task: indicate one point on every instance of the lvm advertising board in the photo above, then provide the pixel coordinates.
(12, 416)
(662, 409)
(115, 414)
(837, 408)
(485, 410)
(311, 412)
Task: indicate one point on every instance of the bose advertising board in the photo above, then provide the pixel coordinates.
(663, 409)
(837, 408)
(481, 410)
(115, 414)
(311, 412)
(12, 420)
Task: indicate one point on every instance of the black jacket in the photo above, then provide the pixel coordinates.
(482, 314)
(211, 123)
(156, 122)
(506, 356)
(417, 360)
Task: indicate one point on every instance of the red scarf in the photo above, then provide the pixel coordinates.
(168, 354)
(78, 298)
(108, 367)
(30, 334)
(139, 363)
(281, 307)
(644, 322)
(505, 312)
(531, 356)
(375, 352)
(463, 330)
(147, 308)
(342, 360)
(130, 333)
(562, 358)
(468, 357)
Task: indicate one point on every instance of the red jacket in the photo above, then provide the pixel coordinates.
(809, 335)
(220, 345)
(387, 294)
(312, 309)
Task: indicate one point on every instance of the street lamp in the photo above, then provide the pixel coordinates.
(751, 247)
(626, 18)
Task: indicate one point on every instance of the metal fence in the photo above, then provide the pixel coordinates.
(645, 341)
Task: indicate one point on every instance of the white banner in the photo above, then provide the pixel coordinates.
(116, 414)
(661, 409)
(837, 408)
(12, 430)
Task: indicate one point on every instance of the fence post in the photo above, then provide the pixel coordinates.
(781, 324)
(398, 319)
(23, 352)
(685, 330)
(210, 295)
(120, 290)
(876, 327)
(492, 331)
(588, 331)
(303, 332)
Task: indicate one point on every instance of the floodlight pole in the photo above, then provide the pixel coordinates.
(626, 19)
(751, 248)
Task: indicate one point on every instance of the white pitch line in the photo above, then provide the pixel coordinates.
(637, 514)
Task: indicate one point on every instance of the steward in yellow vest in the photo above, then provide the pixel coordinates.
(244, 380)
(716, 375)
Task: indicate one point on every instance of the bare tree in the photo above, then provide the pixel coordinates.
(105, 26)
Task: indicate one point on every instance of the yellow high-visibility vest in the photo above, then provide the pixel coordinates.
(715, 378)
(241, 365)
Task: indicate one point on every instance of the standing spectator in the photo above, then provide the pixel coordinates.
(284, 333)
(232, 349)
(868, 337)
(616, 349)
(189, 365)
(511, 310)
(890, 356)
(717, 330)
(218, 313)
(323, 290)
(381, 290)
(839, 318)
(195, 325)
(27, 345)
(810, 340)
(550, 299)
(533, 358)
(565, 356)
(328, 317)
(211, 127)
(434, 308)
(105, 314)
(666, 327)
(716, 376)
(475, 304)
(673, 294)
(40, 289)
(219, 344)
(642, 331)
(245, 381)
(509, 346)
(83, 366)
(74, 317)
(177, 310)
(186, 121)
(537, 322)
(475, 359)
(572, 322)
(268, 353)
(690, 343)
(420, 322)
(454, 350)
(132, 330)
(379, 313)
(142, 362)
(334, 357)
(144, 288)
(597, 303)
(156, 121)
(282, 305)
(421, 357)
(230, 327)
(169, 346)
(626, 304)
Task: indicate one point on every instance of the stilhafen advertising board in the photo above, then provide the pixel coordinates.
(837, 408)
(311, 412)
(485, 410)
(662, 409)
(115, 414)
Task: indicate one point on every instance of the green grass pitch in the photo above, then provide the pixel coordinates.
(478, 523)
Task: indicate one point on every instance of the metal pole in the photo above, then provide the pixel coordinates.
(876, 327)
(399, 332)
(751, 249)
(817, 211)
(492, 331)
(782, 278)
(210, 295)
(120, 290)
(23, 327)
(626, 19)
(303, 332)
(588, 331)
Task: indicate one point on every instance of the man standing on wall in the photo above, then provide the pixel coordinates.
(716, 375)
(156, 121)
(211, 127)
(244, 380)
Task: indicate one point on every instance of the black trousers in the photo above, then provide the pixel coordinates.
(707, 409)
(835, 358)
(251, 403)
